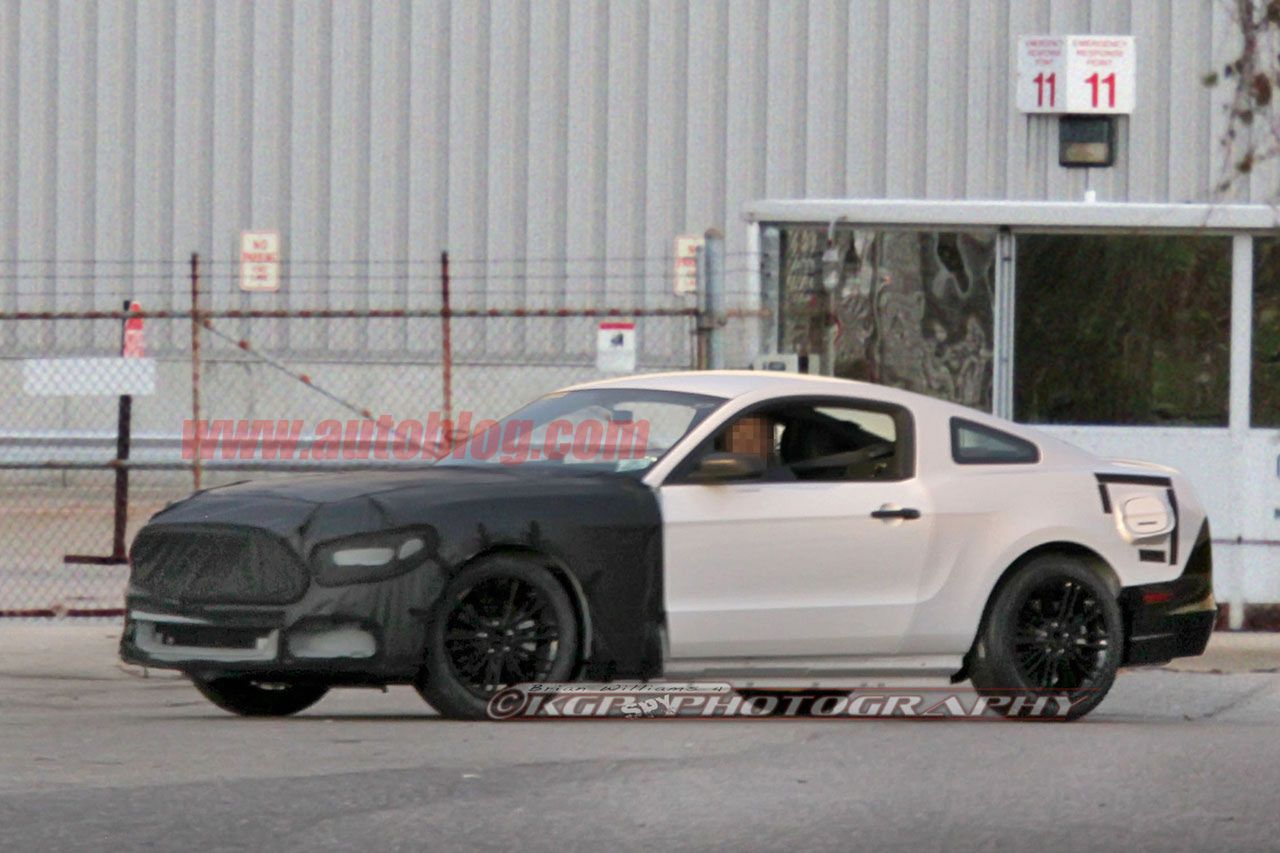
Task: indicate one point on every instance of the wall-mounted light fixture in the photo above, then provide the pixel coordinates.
(1086, 141)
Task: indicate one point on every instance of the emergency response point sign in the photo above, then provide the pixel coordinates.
(1081, 75)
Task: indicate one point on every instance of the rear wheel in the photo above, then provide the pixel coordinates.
(1054, 629)
(250, 698)
(503, 621)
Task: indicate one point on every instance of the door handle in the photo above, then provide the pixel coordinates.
(885, 512)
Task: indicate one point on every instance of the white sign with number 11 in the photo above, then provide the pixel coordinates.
(1076, 74)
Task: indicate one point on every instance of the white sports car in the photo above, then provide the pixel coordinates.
(737, 524)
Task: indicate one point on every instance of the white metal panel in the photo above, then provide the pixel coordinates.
(546, 200)
(746, 122)
(232, 131)
(946, 115)
(10, 39)
(508, 165)
(587, 178)
(787, 130)
(666, 134)
(207, 117)
(707, 82)
(468, 145)
(37, 151)
(192, 227)
(826, 90)
(906, 68)
(625, 159)
(866, 90)
(77, 109)
(349, 163)
(272, 155)
(427, 178)
(1190, 172)
(307, 249)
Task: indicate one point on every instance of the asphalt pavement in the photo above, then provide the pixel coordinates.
(96, 755)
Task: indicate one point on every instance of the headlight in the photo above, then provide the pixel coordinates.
(372, 556)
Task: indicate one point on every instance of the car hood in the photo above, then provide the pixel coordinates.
(305, 510)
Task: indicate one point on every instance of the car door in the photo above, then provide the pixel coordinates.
(804, 560)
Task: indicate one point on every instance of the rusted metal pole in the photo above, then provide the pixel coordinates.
(703, 319)
(197, 437)
(124, 426)
(446, 341)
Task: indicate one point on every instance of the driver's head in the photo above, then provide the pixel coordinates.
(752, 435)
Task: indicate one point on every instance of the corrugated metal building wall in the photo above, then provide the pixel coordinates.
(571, 131)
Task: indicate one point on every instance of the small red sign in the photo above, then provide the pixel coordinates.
(134, 345)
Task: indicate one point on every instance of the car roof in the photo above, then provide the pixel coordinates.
(736, 383)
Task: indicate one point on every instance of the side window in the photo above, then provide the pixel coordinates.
(820, 442)
(975, 444)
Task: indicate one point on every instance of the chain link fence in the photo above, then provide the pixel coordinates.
(243, 388)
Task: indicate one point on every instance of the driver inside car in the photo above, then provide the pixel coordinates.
(753, 435)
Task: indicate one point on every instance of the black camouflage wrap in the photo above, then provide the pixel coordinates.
(245, 555)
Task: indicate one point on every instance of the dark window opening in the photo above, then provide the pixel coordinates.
(976, 444)
(825, 442)
(1122, 329)
(1265, 382)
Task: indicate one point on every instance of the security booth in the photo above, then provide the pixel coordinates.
(1132, 330)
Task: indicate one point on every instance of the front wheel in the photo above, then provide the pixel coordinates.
(502, 621)
(250, 698)
(1054, 629)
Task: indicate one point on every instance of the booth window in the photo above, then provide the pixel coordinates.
(912, 308)
(1122, 329)
(1266, 333)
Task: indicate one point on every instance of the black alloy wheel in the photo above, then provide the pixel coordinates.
(502, 631)
(504, 620)
(1061, 639)
(1054, 628)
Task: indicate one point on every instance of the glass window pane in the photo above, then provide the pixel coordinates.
(1266, 332)
(914, 308)
(975, 444)
(1122, 329)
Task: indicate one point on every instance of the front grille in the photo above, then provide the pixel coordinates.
(214, 564)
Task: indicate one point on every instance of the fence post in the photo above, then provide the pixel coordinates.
(446, 343)
(195, 368)
(124, 427)
(702, 321)
(715, 298)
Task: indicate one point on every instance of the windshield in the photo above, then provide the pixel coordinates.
(621, 430)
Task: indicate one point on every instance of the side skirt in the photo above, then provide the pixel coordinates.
(922, 666)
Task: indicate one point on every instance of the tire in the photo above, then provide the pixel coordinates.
(1054, 627)
(250, 698)
(503, 620)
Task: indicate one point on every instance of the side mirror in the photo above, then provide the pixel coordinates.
(727, 467)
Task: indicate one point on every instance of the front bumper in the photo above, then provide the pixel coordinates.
(246, 641)
(366, 633)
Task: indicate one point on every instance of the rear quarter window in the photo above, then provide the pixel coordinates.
(976, 444)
